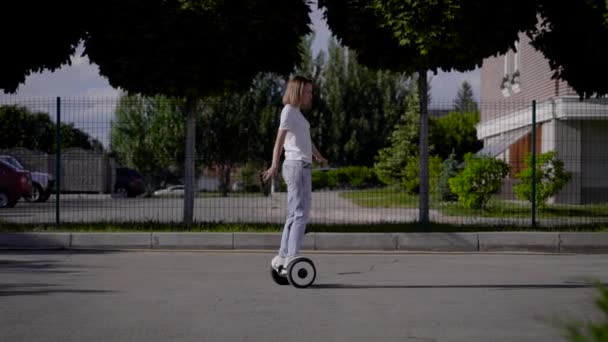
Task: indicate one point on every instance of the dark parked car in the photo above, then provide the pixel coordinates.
(43, 183)
(129, 183)
(14, 184)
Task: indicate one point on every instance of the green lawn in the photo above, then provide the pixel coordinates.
(274, 228)
(390, 198)
(209, 194)
(382, 198)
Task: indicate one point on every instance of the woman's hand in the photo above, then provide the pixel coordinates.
(321, 160)
(271, 172)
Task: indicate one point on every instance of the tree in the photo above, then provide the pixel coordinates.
(35, 131)
(391, 161)
(455, 132)
(448, 171)
(416, 36)
(266, 94)
(581, 61)
(46, 46)
(355, 107)
(464, 101)
(148, 135)
(192, 50)
(458, 34)
(228, 117)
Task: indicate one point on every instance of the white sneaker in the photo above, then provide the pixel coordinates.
(287, 261)
(277, 261)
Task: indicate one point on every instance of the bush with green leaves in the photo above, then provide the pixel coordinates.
(358, 176)
(590, 331)
(323, 180)
(250, 176)
(448, 171)
(411, 181)
(550, 178)
(481, 177)
(354, 177)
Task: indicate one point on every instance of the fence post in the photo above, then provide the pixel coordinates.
(533, 164)
(57, 162)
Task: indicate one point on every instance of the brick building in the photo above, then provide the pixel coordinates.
(576, 129)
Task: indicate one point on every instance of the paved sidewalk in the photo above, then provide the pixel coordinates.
(547, 242)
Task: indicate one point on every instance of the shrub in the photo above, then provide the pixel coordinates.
(550, 178)
(449, 170)
(355, 177)
(323, 180)
(250, 175)
(358, 176)
(411, 180)
(592, 332)
(481, 177)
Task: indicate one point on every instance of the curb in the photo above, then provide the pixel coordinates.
(551, 242)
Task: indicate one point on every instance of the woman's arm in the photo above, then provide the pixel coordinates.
(317, 155)
(276, 155)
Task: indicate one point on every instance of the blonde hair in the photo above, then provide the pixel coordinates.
(295, 90)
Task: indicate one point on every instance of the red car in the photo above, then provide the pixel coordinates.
(14, 184)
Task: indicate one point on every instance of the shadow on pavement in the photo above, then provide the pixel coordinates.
(40, 289)
(474, 286)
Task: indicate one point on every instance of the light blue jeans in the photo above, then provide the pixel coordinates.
(297, 175)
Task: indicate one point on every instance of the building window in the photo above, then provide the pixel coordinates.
(515, 79)
(510, 82)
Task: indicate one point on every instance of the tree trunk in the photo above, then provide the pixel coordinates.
(189, 164)
(225, 170)
(423, 159)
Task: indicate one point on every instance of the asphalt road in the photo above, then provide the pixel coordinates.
(228, 296)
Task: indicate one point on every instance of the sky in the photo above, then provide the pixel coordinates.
(88, 99)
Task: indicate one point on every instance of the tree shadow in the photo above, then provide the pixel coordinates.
(26, 289)
(472, 286)
(42, 265)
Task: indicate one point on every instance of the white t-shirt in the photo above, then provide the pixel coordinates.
(298, 145)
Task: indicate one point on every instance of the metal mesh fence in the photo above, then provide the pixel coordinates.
(123, 161)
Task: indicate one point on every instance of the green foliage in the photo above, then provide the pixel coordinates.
(411, 179)
(449, 170)
(455, 132)
(166, 131)
(417, 34)
(250, 175)
(48, 46)
(583, 23)
(459, 34)
(391, 161)
(351, 177)
(481, 177)
(154, 46)
(148, 134)
(592, 331)
(35, 131)
(265, 95)
(324, 180)
(465, 102)
(550, 178)
(355, 108)
(226, 117)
